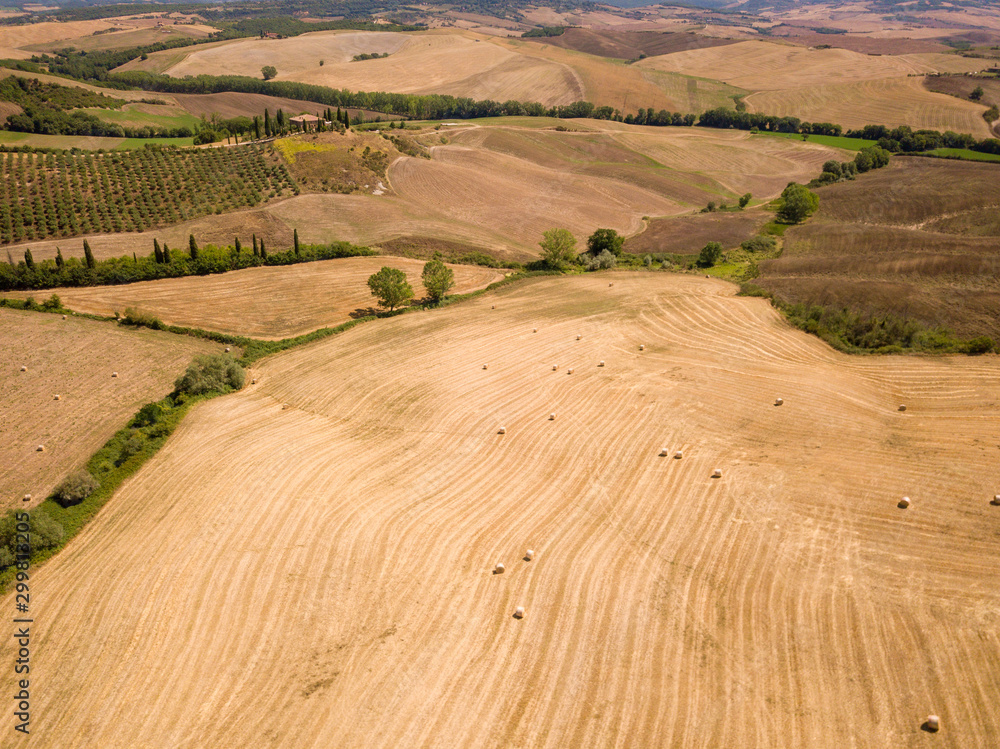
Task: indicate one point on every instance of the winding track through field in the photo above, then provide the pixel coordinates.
(308, 563)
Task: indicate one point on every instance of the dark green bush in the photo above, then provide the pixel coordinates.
(211, 374)
(75, 488)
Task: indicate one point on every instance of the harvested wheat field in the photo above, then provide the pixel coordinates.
(891, 102)
(269, 302)
(322, 545)
(74, 359)
(444, 63)
(766, 66)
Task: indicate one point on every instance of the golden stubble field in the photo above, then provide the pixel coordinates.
(74, 359)
(321, 545)
(268, 302)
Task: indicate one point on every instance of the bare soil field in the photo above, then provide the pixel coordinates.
(866, 44)
(74, 359)
(323, 543)
(962, 86)
(686, 235)
(499, 186)
(919, 239)
(268, 302)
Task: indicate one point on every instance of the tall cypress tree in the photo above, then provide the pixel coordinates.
(295, 238)
(88, 256)
(238, 246)
(192, 247)
(59, 258)
(29, 260)
(256, 252)
(166, 253)
(267, 123)
(157, 253)
(263, 252)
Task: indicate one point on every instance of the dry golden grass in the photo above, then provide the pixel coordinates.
(14, 38)
(447, 63)
(322, 543)
(74, 359)
(271, 302)
(891, 102)
(766, 66)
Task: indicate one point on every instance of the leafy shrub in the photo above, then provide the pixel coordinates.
(710, 254)
(760, 244)
(602, 261)
(45, 533)
(75, 488)
(220, 373)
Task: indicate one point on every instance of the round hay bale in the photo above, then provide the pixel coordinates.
(529, 555)
(554, 367)
(26, 498)
(534, 330)
(498, 570)
(493, 306)
(642, 347)
(24, 368)
(678, 455)
(486, 366)
(552, 417)
(579, 337)
(664, 452)
(902, 407)
(570, 371)
(903, 503)
(253, 381)
(778, 401)
(717, 473)
(64, 317)
(933, 723)
(600, 363)
(996, 500)
(114, 374)
(519, 612)
(55, 397)
(228, 349)
(40, 449)
(502, 430)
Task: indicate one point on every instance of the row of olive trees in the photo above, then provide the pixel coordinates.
(390, 287)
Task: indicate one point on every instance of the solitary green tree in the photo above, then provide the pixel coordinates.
(295, 239)
(29, 260)
(88, 255)
(438, 279)
(238, 246)
(192, 247)
(558, 248)
(797, 204)
(977, 93)
(605, 239)
(744, 200)
(59, 258)
(390, 287)
(268, 71)
(710, 254)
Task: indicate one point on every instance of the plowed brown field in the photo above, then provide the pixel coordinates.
(74, 359)
(273, 302)
(308, 563)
